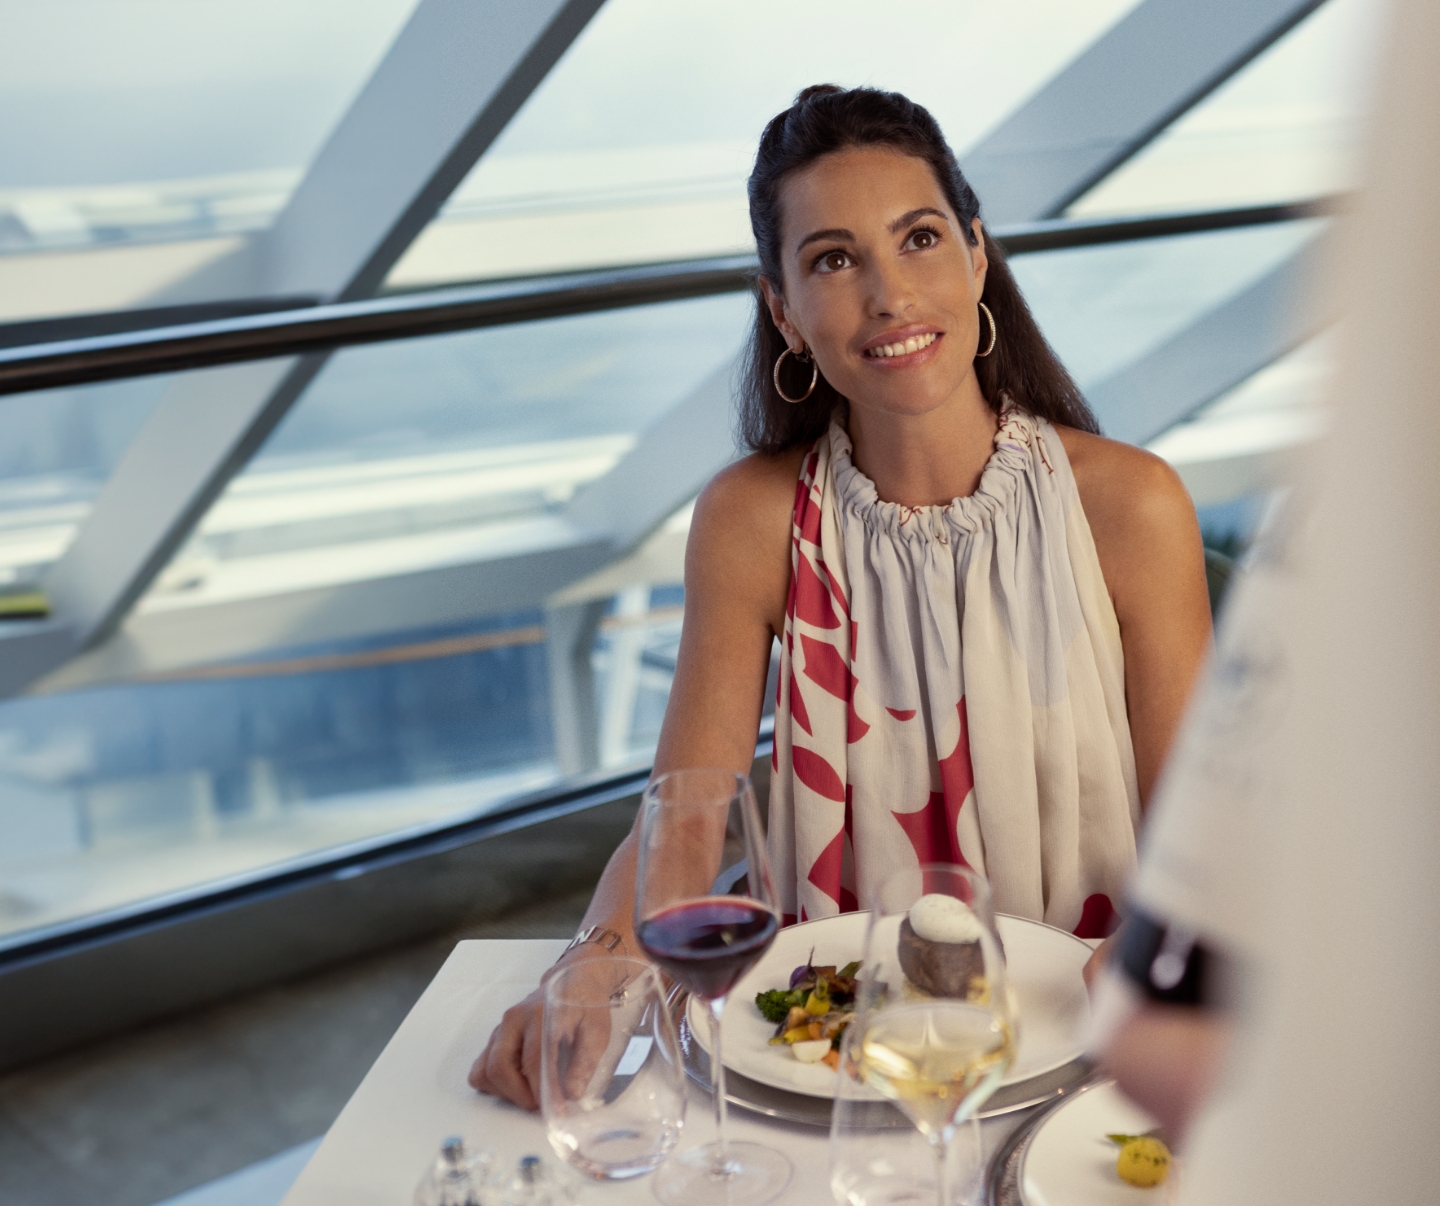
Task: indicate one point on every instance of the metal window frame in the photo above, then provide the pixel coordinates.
(312, 329)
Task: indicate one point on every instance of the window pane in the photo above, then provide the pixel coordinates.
(1105, 307)
(141, 141)
(457, 444)
(1244, 444)
(342, 714)
(1287, 127)
(637, 146)
(57, 450)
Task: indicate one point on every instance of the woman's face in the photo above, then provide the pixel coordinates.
(879, 280)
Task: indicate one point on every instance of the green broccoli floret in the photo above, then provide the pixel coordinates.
(776, 1003)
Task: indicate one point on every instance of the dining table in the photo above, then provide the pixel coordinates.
(415, 1095)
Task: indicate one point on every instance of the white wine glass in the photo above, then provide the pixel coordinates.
(705, 911)
(936, 1027)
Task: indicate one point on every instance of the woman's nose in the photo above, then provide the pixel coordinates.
(891, 294)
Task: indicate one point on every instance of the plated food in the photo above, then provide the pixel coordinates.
(1045, 973)
(1074, 1159)
(939, 949)
(1144, 1160)
(811, 1015)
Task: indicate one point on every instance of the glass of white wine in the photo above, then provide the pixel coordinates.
(935, 1033)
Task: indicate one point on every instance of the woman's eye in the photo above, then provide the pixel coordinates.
(833, 261)
(923, 239)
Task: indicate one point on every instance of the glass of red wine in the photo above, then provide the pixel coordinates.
(705, 912)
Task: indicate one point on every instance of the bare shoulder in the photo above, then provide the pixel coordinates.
(1127, 493)
(754, 490)
(740, 536)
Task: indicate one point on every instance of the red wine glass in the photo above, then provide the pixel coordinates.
(705, 912)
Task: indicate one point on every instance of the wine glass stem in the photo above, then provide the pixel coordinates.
(941, 1148)
(721, 1166)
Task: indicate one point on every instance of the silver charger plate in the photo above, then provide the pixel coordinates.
(1003, 1177)
(815, 1111)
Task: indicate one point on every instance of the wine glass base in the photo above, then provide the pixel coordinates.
(755, 1175)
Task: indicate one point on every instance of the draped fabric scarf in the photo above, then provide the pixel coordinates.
(952, 689)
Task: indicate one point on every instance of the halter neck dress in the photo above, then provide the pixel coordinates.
(952, 689)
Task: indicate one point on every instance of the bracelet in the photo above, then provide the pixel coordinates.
(599, 935)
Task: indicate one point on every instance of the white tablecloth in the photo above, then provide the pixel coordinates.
(415, 1095)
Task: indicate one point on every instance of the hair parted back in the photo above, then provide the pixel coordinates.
(826, 118)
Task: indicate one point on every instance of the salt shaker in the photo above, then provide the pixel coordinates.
(534, 1183)
(457, 1178)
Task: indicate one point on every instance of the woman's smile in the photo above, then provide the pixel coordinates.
(903, 348)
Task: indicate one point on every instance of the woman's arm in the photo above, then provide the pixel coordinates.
(1148, 541)
(737, 578)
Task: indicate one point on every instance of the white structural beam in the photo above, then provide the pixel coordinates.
(458, 71)
(1155, 64)
(1217, 352)
(665, 470)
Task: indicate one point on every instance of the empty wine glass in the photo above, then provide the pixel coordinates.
(612, 1088)
(936, 1027)
(705, 912)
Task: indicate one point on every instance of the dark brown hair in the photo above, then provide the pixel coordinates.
(823, 119)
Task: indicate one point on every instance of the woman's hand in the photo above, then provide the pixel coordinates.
(509, 1067)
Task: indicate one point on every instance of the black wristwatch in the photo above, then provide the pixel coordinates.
(1166, 961)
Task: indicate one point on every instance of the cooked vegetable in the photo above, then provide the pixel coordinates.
(776, 1003)
(815, 1009)
(1144, 1160)
(812, 1052)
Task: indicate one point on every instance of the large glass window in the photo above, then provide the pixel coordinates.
(141, 140)
(402, 463)
(360, 637)
(1286, 128)
(637, 146)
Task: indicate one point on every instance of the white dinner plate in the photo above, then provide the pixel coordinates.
(1045, 970)
(1070, 1162)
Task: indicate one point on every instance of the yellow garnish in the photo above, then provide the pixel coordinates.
(1144, 1162)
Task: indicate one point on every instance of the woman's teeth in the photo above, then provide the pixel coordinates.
(913, 344)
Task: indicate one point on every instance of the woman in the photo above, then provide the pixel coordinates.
(989, 616)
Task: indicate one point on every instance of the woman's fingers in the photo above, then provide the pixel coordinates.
(509, 1067)
(591, 1062)
(530, 1056)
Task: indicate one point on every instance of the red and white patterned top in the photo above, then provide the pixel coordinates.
(952, 689)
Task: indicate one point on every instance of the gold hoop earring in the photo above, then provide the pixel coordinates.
(989, 347)
(804, 357)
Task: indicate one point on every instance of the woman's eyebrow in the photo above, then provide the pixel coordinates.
(819, 235)
(925, 211)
